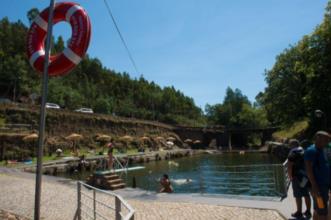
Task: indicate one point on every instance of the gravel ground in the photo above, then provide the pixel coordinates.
(10, 216)
(59, 202)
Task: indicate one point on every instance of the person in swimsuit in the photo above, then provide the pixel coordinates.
(165, 184)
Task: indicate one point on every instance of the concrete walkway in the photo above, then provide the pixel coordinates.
(284, 207)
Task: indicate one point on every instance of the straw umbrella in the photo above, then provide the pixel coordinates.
(144, 138)
(126, 139)
(74, 137)
(188, 141)
(103, 138)
(50, 142)
(30, 137)
(196, 142)
(159, 138)
(170, 143)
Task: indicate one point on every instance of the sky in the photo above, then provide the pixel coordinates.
(199, 46)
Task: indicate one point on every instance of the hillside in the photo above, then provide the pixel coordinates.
(61, 123)
(90, 85)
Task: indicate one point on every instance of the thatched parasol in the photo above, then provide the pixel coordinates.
(126, 138)
(159, 138)
(170, 143)
(51, 141)
(74, 137)
(103, 138)
(196, 142)
(188, 140)
(30, 137)
(144, 138)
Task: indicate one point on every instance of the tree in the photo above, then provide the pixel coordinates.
(90, 84)
(236, 111)
(32, 14)
(300, 80)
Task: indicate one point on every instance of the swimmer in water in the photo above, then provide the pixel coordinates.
(166, 185)
(182, 181)
(173, 163)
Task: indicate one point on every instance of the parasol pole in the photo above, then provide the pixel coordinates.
(43, 112)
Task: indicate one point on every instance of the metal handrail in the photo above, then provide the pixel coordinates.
(287, 180)
(119, 201)
(120, 166)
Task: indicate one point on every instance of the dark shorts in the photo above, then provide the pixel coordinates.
(298, 191)
(324, 192)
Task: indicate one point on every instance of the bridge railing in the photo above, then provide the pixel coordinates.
(94, 203)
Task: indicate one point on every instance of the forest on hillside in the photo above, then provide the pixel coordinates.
(300, 81)
(90, 84)
(298, 84)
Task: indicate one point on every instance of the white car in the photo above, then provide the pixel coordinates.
(84, 110)
(52, 105)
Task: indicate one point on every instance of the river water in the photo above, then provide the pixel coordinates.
(252, 174)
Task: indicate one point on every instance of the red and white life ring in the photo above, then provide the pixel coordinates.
(60, 64)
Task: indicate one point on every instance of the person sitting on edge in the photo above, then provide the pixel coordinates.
(318, 173)
(299, 179)
(110, 155)
(166, 185)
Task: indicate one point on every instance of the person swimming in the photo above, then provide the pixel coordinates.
(173, 163)
(166, 184)
(182, 181)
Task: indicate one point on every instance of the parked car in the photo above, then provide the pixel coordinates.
(84, 110)
(52, 105)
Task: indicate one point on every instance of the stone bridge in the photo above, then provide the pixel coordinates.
(221, 136)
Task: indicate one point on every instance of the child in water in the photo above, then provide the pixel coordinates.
(166, 185)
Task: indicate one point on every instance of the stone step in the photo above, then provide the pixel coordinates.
(117, 186)
(115, 181)
(111, 177)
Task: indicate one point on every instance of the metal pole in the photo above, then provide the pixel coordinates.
(94, 205)
(117, 208)
(43, 113)
(79, 205)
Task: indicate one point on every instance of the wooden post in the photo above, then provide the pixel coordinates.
(230, 146)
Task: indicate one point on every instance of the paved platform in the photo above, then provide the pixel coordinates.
(59, 201)
(284, 207)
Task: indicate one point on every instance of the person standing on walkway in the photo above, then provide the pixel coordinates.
(318, 173)
(299, 179)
